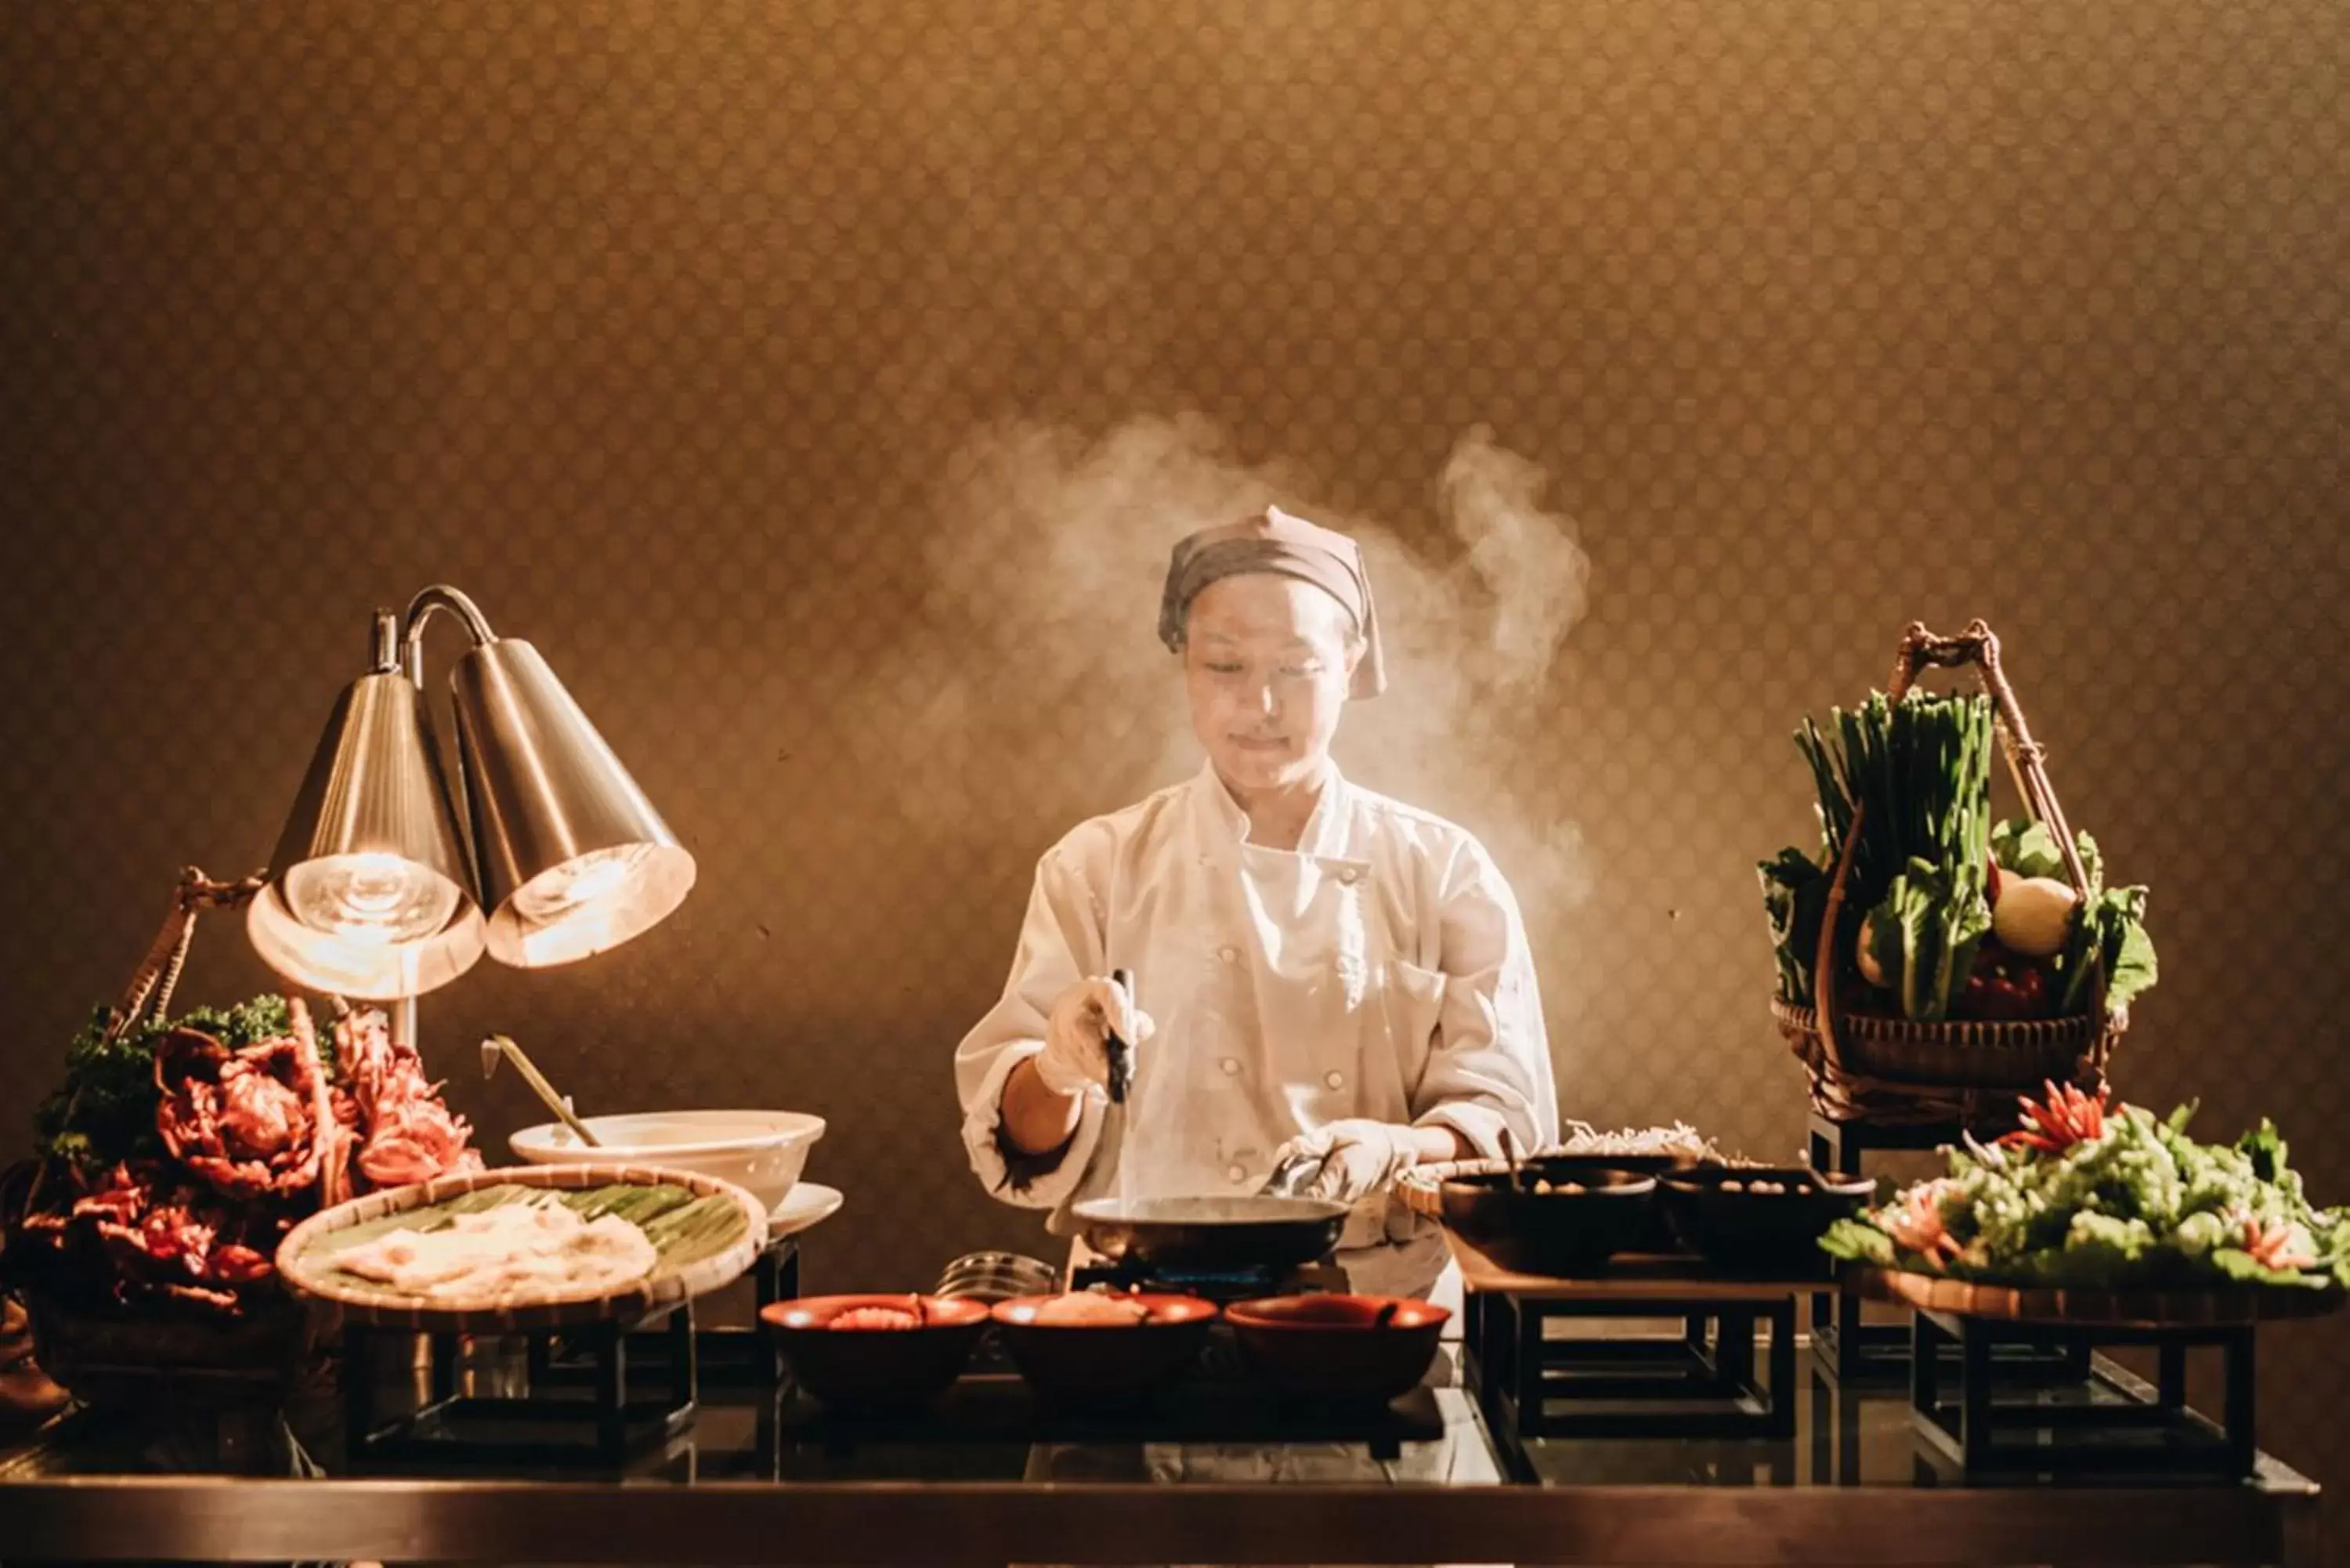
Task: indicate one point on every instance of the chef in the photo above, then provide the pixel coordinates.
(1318, 970)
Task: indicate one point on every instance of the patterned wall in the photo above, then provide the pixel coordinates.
(722, 348)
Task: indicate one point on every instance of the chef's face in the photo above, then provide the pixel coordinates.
(1266, 659)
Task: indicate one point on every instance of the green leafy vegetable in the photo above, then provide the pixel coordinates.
(1796, 896)
(105, 1110)
(2142, 1203)
(2028, 848)
(2109, 937)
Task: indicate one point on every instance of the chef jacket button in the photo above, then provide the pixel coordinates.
(1231, 1066)
(1229, 955)
(1350, 876)
(1335, 1079)
(1236, 1173)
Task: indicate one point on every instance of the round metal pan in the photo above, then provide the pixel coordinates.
(1212, 1235)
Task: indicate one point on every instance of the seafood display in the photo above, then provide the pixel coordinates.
(179, 1153)
(404, 1131)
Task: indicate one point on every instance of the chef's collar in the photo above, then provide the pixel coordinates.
(1277, 542)
(1325, 830)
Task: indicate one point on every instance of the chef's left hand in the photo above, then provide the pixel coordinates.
(1359, 1157)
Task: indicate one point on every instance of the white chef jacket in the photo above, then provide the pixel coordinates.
(1381, 970)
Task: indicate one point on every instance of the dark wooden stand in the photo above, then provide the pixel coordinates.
(1699, 1379)
(1701, 1382)
(2115, 1425)
(452, 1426)
(575, 1384)
(729, 1357)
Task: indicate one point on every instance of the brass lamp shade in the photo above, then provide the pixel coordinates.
(574, 859)
(370, 892)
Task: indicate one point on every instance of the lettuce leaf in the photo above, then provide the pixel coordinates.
(2241, 1266)
(1858, 1242)
(2028, 848)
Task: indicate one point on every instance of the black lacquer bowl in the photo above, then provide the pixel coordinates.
(1761, 1221)
(1560, 1216)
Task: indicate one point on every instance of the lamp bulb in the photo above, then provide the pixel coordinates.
(381, 898)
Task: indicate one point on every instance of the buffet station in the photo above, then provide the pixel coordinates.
(294, 1312)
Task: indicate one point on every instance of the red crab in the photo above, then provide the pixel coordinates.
(403, 1131)
(245, 1121)
(175, 1239)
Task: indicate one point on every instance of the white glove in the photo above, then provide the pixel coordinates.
(1359, 1157)
(1076, 1035)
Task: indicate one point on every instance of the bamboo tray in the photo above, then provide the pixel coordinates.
(2217, 1307)
(305, 1259)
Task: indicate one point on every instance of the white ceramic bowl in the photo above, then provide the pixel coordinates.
(763, 1152)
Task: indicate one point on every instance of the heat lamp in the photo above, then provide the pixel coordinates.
(383, 887)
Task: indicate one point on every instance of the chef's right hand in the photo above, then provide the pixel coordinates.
(1077, 1034)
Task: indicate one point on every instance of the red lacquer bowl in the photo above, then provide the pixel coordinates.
(874, 1367)
(1098, 1363)
(1369, 1349)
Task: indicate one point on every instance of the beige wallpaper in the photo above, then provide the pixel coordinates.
(819, 385)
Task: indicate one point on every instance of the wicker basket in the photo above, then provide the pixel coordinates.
(1893, 1072)
(161, 1354)
(133, 1357)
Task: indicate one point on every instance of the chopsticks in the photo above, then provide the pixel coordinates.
(1121, 1053)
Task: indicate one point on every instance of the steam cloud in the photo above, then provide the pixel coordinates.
(1040, 595)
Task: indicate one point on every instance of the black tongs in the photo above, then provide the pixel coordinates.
(1121, 1055)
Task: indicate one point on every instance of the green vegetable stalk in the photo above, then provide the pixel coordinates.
(1915, 774)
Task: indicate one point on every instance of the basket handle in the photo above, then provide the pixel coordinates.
(1978, 645)
(158, 974)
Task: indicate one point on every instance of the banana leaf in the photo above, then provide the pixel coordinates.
(683, 1229)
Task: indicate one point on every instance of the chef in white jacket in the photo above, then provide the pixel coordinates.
(1318, 968)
